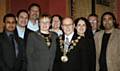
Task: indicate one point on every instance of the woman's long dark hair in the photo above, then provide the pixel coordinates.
(88, 32)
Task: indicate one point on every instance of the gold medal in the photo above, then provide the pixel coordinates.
(65, 49)
(48, 43)
(64, 58)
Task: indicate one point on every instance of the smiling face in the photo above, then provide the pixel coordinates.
(94, 22)
(108, 22)
(81, 27)
(22, 19)
(10, 24)
(44, 24)
(34, 12)
(55, 22)
(68, 26)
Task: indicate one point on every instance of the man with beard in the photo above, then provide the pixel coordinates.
(107, 44)
(34, 13)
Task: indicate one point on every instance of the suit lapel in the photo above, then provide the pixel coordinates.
(73, 38)
(8, 51)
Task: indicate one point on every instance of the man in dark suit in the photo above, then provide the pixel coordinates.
(21, 28)
(11, 47)
(72, 54)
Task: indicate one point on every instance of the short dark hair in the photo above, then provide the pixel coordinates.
(20, 11)
(34, 4)
(9, 15)
(56, 15)
(93, 15)
(113, 17)
(60, 18)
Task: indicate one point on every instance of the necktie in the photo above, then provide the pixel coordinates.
(12, 39)
(66, 44)
(67, 41)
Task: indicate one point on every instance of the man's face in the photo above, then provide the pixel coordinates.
(44, 24)
(10, 24)
(108, 22)
(22, 19)
(68, 26)
(94, 22)
(34, 12)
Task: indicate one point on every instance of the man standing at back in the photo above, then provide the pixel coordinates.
(34, 14)
(93, 19)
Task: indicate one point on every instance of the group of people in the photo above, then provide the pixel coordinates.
(34, 42)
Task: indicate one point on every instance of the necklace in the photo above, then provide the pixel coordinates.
(47, 38)
(73, 43)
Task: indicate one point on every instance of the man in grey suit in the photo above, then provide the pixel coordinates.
(41, 47)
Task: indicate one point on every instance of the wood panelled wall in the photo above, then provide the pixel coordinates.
(2, 13)
(5, 7)
(82, 8)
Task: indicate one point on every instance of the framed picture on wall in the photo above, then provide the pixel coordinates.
(103, 2)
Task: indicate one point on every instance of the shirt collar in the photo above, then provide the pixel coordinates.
(33, 27)
(9, 33)
(69, 36)
(20, 28)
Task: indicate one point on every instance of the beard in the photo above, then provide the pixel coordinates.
(35, 17)
(108, 26)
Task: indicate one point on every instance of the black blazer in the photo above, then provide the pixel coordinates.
(27, 31)
(79, 57)
(8, 59)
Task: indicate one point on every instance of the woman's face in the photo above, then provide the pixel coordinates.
(56, 22)
(44, 24)
(81, 27)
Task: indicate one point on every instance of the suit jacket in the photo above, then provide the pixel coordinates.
(40, 56)
(26, 34)
(113, 50)
(27, 31)
(79, 58)
(8, 59)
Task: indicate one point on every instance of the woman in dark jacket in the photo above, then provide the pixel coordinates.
(84, 29)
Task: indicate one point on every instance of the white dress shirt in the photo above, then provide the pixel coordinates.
(33, 27)
(69, 36)
(21, 32)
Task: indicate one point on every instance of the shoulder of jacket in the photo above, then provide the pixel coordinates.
(99, 32)
(54, 34)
